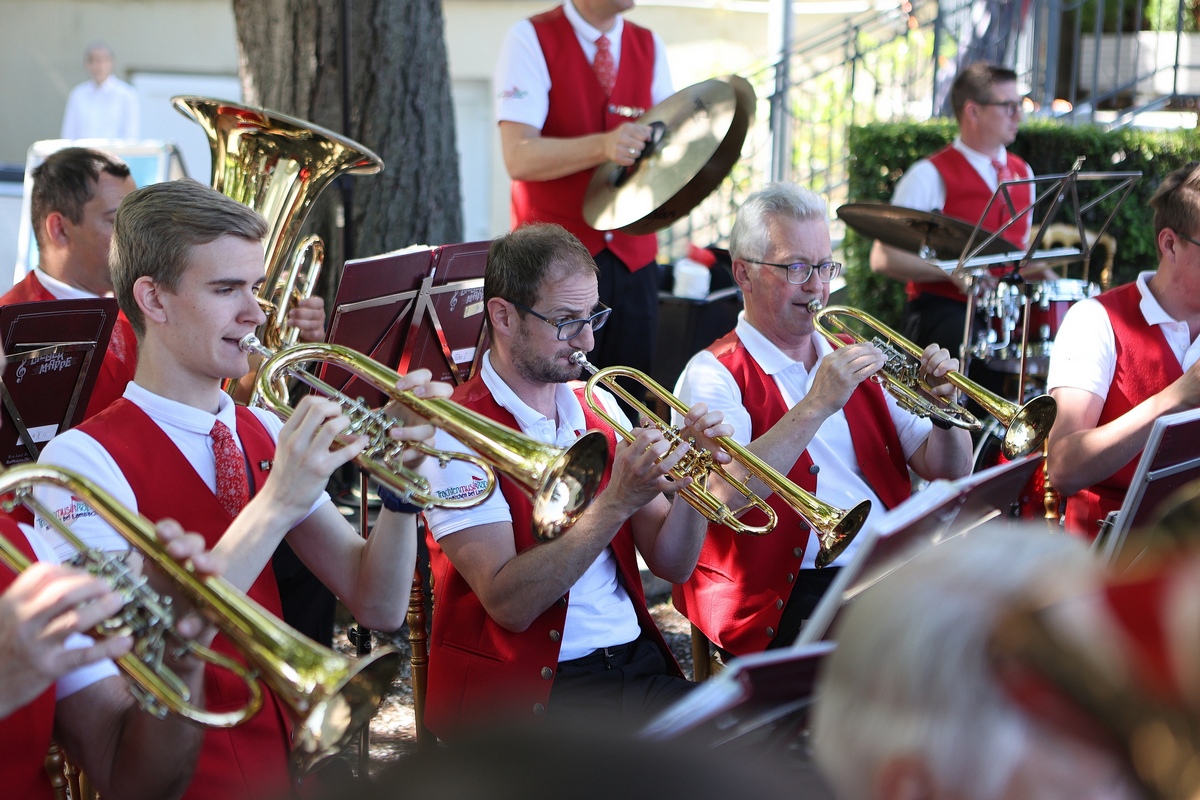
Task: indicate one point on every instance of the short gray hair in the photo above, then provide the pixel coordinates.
(748, 240)
(911, 675)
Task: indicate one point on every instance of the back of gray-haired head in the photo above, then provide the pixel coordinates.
(911, 677)
(749, 239)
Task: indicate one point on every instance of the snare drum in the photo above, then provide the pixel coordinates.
(1048, 306)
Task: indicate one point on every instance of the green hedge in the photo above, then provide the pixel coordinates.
(880, 152)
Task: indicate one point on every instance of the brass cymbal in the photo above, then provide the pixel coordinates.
(698, 136)
(926, 233)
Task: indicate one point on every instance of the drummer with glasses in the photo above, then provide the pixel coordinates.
(808, 410)
(959, 181)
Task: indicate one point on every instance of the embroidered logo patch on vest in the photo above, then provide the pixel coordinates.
(477, 486)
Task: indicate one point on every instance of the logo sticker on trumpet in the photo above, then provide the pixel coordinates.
(476, 487)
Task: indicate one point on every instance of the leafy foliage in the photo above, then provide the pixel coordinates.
(880, 152)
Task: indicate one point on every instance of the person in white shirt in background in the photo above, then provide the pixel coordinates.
(104, 107)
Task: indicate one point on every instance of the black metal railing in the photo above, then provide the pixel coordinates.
(1093, 61)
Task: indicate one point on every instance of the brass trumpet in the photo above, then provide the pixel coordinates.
(1028, 425)
(561, 481)
(332, 696)
(835, 527)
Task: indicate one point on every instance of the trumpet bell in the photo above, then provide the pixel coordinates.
(568, 485)
(837, 535)
(332, 722)
(1029, 427)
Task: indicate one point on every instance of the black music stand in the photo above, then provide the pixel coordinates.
(1170, 461)
(420, 307)
(939, 512)
(757, 707)
(413, 308)
(54, 349)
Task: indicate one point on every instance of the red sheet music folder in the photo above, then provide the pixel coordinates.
(54, 353)
(420, 307)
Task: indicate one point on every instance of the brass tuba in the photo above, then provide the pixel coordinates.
(277, 165)
(1028, 425)
(561, 481)
(835, 527)
(332, 696)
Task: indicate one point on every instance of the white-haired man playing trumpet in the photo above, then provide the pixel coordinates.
(805, 408)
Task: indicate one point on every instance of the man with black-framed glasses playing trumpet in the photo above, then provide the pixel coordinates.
(524, 628)
(811, 413)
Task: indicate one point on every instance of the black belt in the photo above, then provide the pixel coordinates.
(599, 654)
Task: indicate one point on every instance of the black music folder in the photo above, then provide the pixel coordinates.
(1170, 461)
(420, 307)
(940, 511)
(54, 350)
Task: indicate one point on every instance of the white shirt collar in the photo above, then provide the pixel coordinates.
(1151, 309)
(179, 414)
(585, 30)
(570, 413)
(979, 159)
(61, 291)
(767, 354)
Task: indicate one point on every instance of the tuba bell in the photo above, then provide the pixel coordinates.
(835, 527)
(562, 481)
(1027, 425)
(330, 695)
(277, 165)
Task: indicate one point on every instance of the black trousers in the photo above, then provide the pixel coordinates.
(628, 338)
(627, 684)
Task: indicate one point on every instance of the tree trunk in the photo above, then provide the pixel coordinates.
(399, 106)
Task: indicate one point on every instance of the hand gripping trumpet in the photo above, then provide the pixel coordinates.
(331, 696)
(562, 481)
(835, 527)
(1028, 425)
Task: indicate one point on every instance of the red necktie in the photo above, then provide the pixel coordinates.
(606, 70)
(1003, 173)
(233, 490)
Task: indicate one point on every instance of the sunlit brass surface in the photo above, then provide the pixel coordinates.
(277, 165)
(835, 527)
(1027, 425)
(331, 695)
(698, 136)
(561, 481)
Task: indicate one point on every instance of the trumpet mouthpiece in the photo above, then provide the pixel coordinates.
(814, 305)
(579, 359)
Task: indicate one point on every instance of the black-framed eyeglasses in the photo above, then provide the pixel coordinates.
(1185, 236)
(800, 272)
(1011, 107)
(569, 329)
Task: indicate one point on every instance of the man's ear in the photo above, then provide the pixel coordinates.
(55, 228)
(149, 297)
(741, 274)
(905, 778)
(502, 315)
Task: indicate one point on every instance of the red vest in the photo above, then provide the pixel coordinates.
(479, 670)
(966, 197)
(1145, 366)
(737, 593)
(578, 107)
(25, 733)
(251, 760)
(120, 360)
